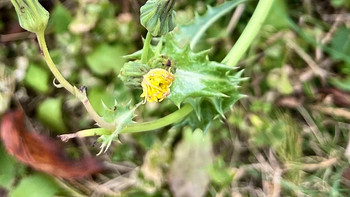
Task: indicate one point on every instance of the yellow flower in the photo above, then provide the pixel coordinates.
(156, 84)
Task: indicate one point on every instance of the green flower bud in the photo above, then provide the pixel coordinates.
(132, 73)
(161, 61)
(158, 16)
(31, 15)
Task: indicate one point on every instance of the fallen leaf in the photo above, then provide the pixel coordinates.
(189, 172)
(41, 152)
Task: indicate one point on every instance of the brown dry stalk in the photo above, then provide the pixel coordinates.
(340, 112)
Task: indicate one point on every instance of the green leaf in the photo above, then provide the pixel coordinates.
(343, 84)
(278, 11)
(210, 87)
(7, 169)
(219, 174)
(106, 58)
(196, 76)
(341, 42)
(121, 115)
(60, 18)
(38, 185)
(37, 78)
(50, 114)
(194, 31)
(97, 96)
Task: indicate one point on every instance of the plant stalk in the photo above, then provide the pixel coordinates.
(249, 33)
(79, 93)
(135, 128)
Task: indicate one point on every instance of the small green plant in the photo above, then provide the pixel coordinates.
(201, 89)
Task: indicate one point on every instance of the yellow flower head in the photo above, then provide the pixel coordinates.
(156, 84)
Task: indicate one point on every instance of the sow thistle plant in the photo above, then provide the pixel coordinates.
(201, 89)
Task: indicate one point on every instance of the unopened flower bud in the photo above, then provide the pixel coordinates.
(31, 15)
(161, 61)
(132, 73)
(158, 16)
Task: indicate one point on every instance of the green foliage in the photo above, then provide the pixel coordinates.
(87, 40)
(158, 16)
(343, 84)
(278, 11)
(37, 78)
(220, 174)
(9, 169)
(341, 42)
(121, 115)
(194, 31)
(60, 19)
(50, 114)
(37, 185)
(210, 87)
(106, 58)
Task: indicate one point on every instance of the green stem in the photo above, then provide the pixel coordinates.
(146, 47)
(63, 82)
(80, 94)
(135, 128)
(249, 33)
(161, 122)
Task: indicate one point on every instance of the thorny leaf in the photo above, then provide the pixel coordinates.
(191, 178)
(121, 116)
(41, 152)
(210, 87)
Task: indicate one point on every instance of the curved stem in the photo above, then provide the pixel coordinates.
(79, 93)
(161, 122)
(249, 33)
(135, 128)
(63, 82)
(146, 46)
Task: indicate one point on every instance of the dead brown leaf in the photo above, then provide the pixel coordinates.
(41, 152)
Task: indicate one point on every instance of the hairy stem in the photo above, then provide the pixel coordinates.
(249, 33)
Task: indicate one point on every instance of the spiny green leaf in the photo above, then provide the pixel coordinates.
(210, 87)
(194, 31)
(121, 115)
(196, 76)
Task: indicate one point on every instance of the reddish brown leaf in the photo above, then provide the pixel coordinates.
(41, 152)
